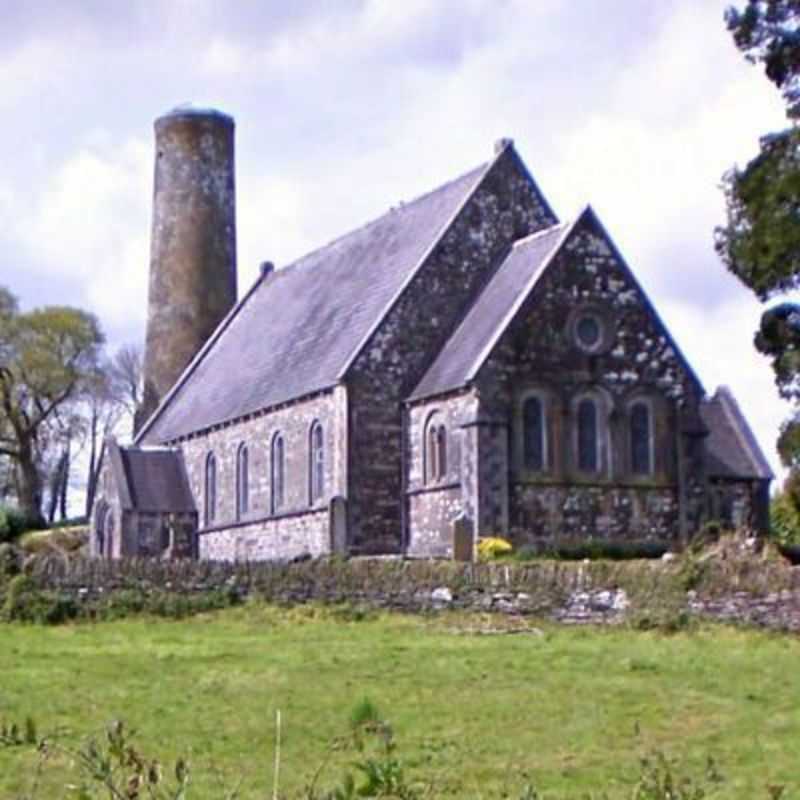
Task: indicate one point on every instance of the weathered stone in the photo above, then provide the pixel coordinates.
(193, 244)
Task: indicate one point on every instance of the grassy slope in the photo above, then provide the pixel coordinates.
(470, 713)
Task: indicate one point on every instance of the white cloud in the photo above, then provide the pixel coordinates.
(719, 344)
(22, 73)
(89, 223)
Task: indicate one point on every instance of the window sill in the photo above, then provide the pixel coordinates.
(434, 487)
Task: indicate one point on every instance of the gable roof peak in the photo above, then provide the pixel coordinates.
(502, 143)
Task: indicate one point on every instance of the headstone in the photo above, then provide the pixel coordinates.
(338, 525)
(463, 539)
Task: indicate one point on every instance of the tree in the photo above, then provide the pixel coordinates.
(48, 359)
(115, 391)
(760, 242)
(126, 375)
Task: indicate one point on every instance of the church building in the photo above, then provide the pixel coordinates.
(465, 363)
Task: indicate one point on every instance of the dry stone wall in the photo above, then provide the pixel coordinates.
(749, 589)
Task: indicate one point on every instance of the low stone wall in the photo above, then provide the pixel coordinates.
(754, 590)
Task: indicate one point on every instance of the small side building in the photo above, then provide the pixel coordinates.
(738, 474)
(144, 506)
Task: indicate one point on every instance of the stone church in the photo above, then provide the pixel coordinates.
(466, 361)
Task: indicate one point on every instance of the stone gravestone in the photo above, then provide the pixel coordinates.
(463, 539)
(338, 525)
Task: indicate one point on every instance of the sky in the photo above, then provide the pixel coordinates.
(344, 108)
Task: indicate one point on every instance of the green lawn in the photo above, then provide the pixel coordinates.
(574, 709)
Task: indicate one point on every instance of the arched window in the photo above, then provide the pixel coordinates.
(435, 450)
(242, 481)
(588, 456)
(432, 455)
(641, 439)
(441, 448)
(211, 489)
(278, 474)
(533, 434)
(316, 463)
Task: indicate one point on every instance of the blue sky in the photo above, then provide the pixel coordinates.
(344, 108)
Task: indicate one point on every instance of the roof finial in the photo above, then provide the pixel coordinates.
(502, 144)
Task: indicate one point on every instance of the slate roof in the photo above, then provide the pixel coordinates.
(474, 338)
(297, 329)
(732, 450)
(150, 479)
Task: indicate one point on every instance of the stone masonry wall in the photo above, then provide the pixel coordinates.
(627, 512)
(280, 538)
(432, 505)
(107, 502)
(505, 207)
(164, 534)
(636, 360)
(297, 527)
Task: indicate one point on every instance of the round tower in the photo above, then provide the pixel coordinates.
(193, 244)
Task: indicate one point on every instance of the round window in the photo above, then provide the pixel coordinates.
(588, 332)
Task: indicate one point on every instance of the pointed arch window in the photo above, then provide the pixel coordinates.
(588, 455)
(316, 463)
(641, 439)
(242, 481)
(278, 472)
(435, 450)
(211, 489)
(533, 434)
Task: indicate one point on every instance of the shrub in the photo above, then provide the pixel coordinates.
(72, 522)
(10, 561)
(593, 549)
(12, 523)
(24, 602)
(492, 547)
(784, 520)
(172, 605)
(709, 534)
(790, 551)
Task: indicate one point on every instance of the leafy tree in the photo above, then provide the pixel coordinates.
(760, 242)
(48, 360)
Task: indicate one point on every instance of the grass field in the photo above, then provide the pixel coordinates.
(571, 709)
